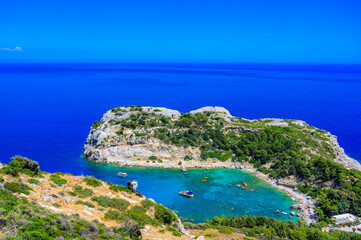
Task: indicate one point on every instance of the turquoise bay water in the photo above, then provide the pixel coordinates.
(218, 195)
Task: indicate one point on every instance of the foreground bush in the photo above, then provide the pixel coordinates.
(82, 192)
(57, 179)
(116, 203)
(17, 187)
(92, 181)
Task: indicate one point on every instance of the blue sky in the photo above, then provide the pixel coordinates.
(237, 31)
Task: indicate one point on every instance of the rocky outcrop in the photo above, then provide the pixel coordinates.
(134, 147)
(342, 158)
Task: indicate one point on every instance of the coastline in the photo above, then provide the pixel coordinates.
(304, 203)
(108, 143)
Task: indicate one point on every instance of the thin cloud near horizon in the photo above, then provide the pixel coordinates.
(15, 49)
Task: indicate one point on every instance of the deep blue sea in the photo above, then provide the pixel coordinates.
(46, 111)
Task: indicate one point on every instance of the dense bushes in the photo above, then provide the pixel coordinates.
(21, 164)
(147, 203)
(85, 203)
(116, 203)
(57, 179)
(270, 228)
(164, 215)
(82, 192)
(118, 188)
(17, 187)
(113, 215)
(92, 181)
(33, 181)
(138, 214)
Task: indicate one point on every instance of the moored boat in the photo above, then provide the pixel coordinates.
(121, 174)
(187, 193)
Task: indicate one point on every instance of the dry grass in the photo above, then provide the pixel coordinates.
(46, 186)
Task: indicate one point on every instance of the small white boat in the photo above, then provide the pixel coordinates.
(284, 213)
(122, 174)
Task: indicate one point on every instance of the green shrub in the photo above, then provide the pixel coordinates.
(57, 179)
(17, 187)
(226, 230)
(118, 188)
(152, 158)
(164, 215)
(139, 134)
(147, 203)
(120, 132)
(82, 192)
(102, 200)
(73, 194)
(116, 203)
(92, 181)
(113, 215)
(13, 168)
(211, 235)
(120, 204)
(33, 181)
(138, 214)
(95, 124)
(85, 203)
(174, 231)
(56, 205)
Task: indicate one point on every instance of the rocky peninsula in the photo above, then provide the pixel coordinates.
(109, 141)
(290, 154)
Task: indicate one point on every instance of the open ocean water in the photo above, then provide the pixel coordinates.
(46, 111)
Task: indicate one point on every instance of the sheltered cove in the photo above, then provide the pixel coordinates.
(112, 143)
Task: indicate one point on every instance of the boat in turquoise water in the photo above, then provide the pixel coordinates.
(187, 193)
(122, 174)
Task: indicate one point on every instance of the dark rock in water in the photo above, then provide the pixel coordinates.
(293, 213)
(295, 206)
(277, 211)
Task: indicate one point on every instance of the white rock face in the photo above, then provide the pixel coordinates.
(342, 158)
(220, 110)
(275, 122)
